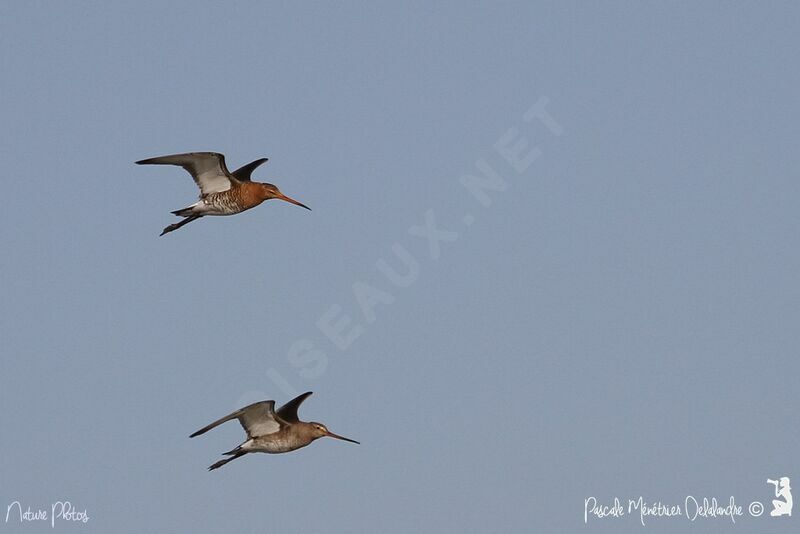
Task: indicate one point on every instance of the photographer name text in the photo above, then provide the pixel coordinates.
(692, 508)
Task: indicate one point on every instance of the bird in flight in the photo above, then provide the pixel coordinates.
(221, 192)
(270, 431)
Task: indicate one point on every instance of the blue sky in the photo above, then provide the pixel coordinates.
(615, 315)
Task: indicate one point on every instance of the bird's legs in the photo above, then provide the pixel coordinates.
(226, 460)
(175, 226)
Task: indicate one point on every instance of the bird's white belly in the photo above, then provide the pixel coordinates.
(273, 446)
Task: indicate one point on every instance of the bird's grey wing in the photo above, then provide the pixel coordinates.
(257, 419)
(288, 412)
(243, 173)
(207, 168)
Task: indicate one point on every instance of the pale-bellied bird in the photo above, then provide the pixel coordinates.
(270, 431)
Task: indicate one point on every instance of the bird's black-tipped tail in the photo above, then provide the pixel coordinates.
(233, 451)
(184, 212)
(172, 227)
(219, 464)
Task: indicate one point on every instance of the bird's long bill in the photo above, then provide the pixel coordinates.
(337, 436)
(292, 201)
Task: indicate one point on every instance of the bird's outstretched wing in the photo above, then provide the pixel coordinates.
(207, 168)
(257, 419)
(288, 412)
(243, 173)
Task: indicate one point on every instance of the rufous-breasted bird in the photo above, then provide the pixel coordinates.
(221, 192)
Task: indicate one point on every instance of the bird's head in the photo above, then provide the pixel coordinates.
(269, 191)
(318, 430)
